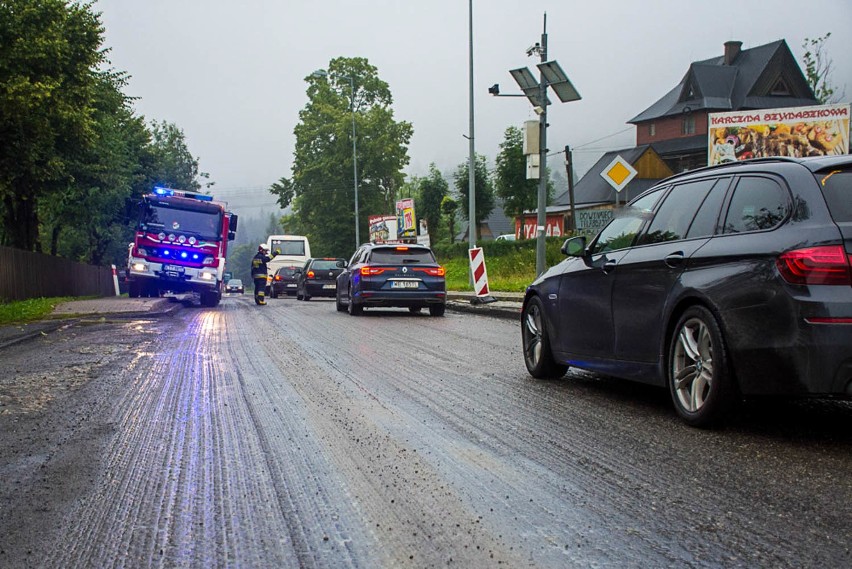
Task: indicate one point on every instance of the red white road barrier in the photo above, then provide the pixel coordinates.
(477, 269)
(115, 281)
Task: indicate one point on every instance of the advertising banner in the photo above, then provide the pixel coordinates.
(382, 228)
(792, 131)
(406, 222)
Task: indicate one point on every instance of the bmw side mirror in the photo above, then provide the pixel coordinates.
(575, 246)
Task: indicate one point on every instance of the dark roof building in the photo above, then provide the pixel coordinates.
(761, 77)
(495, 224)
(594, 190)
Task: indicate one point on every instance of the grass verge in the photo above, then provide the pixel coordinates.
(510, 264)
(29, 310)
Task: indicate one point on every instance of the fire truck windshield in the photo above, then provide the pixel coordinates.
(203, 222)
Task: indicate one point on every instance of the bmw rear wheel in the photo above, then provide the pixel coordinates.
(538, 356)
(699, 377)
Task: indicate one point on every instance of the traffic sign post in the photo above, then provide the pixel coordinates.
(618, 174)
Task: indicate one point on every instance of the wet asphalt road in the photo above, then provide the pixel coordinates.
(295, 436)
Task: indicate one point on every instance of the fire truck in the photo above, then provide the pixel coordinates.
(180, 246)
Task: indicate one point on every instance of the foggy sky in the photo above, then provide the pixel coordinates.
(231, 74)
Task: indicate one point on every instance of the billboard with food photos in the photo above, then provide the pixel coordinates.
(792, 131)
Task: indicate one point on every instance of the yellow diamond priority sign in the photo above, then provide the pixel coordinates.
(619, 173)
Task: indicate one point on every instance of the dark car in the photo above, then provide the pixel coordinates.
(391, 275)
(235, 285)
(284, 281)
(718, 283)
(318, 278)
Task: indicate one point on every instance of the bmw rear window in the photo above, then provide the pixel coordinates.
(402, 256)
(837, 189)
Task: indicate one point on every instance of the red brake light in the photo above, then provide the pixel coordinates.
(369, 271)
(310, 274)
(829, 265)
(402, 248)
(434, 271)
(277, 277)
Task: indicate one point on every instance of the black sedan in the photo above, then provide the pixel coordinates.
(392, 275)
(235, 286)
(318, 278)
(284, 281)
(718, 283)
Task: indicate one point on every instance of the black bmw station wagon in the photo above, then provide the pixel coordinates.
(718, 283)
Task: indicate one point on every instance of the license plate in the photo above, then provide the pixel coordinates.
(291, 286)
(329, 286)
(173, 269)
(404, 284)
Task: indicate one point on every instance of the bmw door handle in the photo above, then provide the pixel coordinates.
(609, 266)
(674, 260)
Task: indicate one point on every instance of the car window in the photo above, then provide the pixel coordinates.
(675, 215)
(401, 255)
(704, 223)
(286, 271)
(757, 204)
(355, 257)
(324, 264)
(622, 230)
(837, 189)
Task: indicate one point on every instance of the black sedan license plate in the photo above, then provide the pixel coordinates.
(405, 284)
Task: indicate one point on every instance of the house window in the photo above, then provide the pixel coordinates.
(687, 126)
(780, 89)
(652, 129)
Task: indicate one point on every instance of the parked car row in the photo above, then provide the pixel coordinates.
(377, 275)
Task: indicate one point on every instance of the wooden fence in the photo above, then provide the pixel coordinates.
(24, 275)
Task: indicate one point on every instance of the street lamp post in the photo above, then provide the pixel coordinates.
(324, 73)
(552, 76)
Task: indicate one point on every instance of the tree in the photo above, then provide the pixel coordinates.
(449, 206)
(175, 165)
(818, 69)
(320, 188)
(510, 176)
(433, 189)
(103, 179)
(48, 78)
(483, 190)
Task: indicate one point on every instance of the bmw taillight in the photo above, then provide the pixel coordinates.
(433, 271)
(827, 265)
(372, 271)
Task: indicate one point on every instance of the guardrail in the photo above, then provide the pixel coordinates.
(24, 274)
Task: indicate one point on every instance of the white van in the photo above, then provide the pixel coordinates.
(290, 249)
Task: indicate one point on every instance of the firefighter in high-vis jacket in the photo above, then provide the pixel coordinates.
(258, 273)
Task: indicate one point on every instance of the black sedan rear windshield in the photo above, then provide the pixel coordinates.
(402, 256)
(837, 189)
(325, 264)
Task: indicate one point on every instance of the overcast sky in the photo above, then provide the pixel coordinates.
(231, 74)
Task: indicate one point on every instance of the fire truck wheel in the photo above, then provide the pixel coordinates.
(210, 299)
(134, 289)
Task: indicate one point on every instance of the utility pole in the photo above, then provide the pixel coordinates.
(541, 223)
(569, 168)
